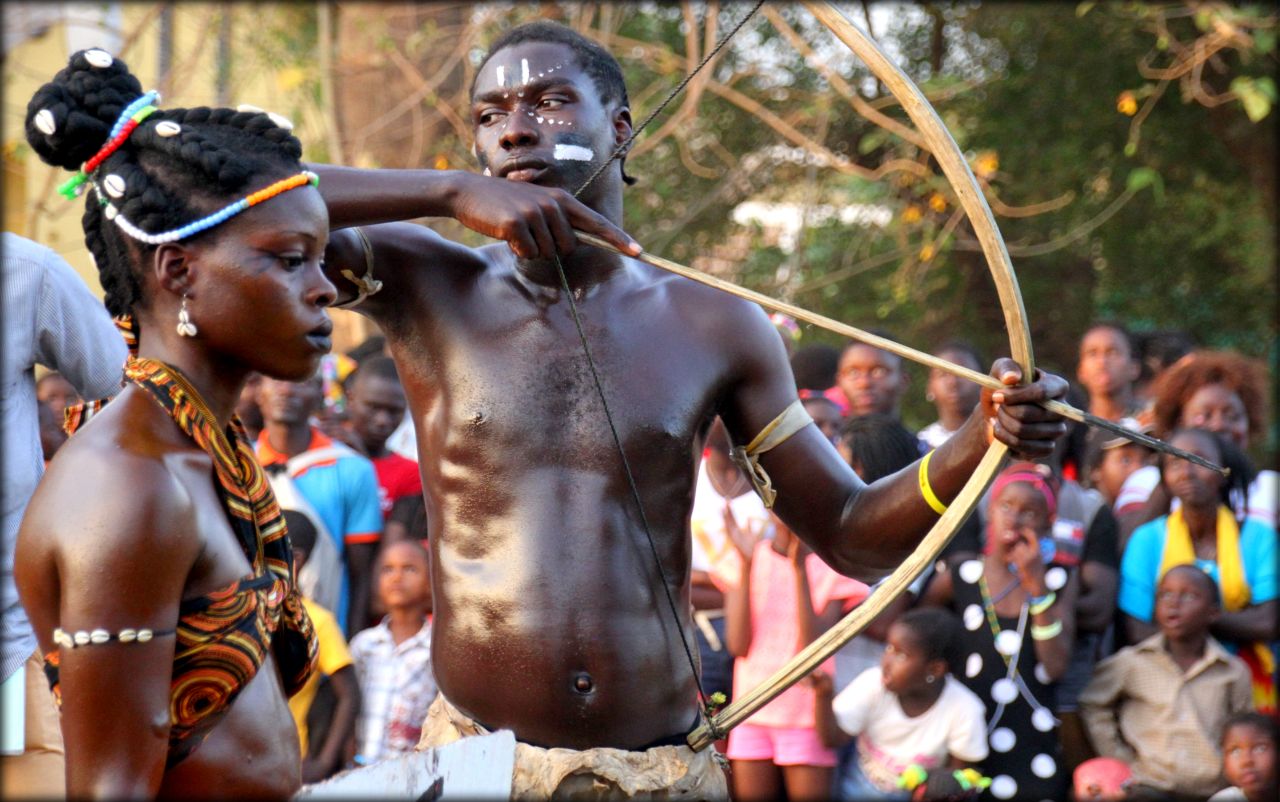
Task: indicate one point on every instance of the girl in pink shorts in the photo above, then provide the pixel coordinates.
(782, 597)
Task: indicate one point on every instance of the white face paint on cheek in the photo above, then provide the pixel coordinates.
(575, 153)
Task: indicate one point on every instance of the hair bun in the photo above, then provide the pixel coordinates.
(69, 118)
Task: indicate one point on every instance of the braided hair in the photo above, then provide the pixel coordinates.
(177, 166)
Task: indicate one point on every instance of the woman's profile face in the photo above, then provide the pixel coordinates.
(258, 294)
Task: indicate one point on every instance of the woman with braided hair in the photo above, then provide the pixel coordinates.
(153, 559)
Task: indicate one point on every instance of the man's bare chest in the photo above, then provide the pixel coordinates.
(523, 383)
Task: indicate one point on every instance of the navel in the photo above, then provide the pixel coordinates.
(583, 683)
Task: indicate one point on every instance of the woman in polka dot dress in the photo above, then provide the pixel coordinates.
(1017, 610)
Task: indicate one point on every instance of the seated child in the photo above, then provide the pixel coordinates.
(908, 711)
(325, 709)
(1154, 705)
(393, 659)
(1248, 759)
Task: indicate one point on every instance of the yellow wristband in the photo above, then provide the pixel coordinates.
(926, 489)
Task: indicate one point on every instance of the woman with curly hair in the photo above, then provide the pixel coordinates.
(1220, 391)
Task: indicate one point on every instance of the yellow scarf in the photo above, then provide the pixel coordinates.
(1179, 551)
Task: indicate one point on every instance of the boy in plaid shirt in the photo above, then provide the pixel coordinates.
(393, 659)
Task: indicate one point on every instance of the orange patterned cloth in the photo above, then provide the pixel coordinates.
(223, 637)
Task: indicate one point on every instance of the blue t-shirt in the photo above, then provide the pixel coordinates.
(342, 488)
(1140, 567)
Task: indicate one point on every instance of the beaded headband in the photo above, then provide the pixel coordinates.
(134, 113)
(130, 117)
(221, 216)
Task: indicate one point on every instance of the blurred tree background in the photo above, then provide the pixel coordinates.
(1127, 149)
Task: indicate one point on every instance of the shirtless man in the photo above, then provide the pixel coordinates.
(549, 620)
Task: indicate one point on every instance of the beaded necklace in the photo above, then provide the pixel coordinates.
(989, 606)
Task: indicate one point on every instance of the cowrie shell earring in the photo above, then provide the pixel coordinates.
(185, 327)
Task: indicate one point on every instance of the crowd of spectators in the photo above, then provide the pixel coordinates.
(1111, 611)
(1107, 616)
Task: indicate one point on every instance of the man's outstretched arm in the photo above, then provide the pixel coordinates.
(537, 222)
(865, 531)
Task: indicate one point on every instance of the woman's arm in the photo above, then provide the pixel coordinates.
(110, 548)
(1255, 622)
(1052, 620)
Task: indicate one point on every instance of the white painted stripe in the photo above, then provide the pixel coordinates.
(575, 153)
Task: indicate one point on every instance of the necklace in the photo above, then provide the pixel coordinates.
(1008, 642)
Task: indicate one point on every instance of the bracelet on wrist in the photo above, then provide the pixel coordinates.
(1039, 604)
(1046, 631)
(926, 489)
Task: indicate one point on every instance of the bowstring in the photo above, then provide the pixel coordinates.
(595, 375)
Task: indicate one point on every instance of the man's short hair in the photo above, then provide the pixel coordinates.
(382, 367)
(594, 60)
(1118, 328)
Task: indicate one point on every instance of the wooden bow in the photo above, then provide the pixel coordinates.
(963, 183)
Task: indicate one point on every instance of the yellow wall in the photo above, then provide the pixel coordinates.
(258, 76)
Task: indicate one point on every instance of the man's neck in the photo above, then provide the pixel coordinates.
(405, 622)
(1187, 651)
(376, 449)
(1111, 406)
(587, 267)
(290, 439)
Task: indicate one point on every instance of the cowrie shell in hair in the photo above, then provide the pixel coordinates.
(45, 123)
(249, 107)
(98, 58)
(281, 120)
(110, 211)
(114, 185)
(167, 128)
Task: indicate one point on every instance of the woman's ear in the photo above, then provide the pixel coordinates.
(173, 267)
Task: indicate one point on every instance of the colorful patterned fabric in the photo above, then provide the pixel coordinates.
(223, 636)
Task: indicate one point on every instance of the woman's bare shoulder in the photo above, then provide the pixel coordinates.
(123, 481)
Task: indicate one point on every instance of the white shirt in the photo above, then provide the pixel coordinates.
(935, 434)
(889, 741)
(396, 688)
(51, 319)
